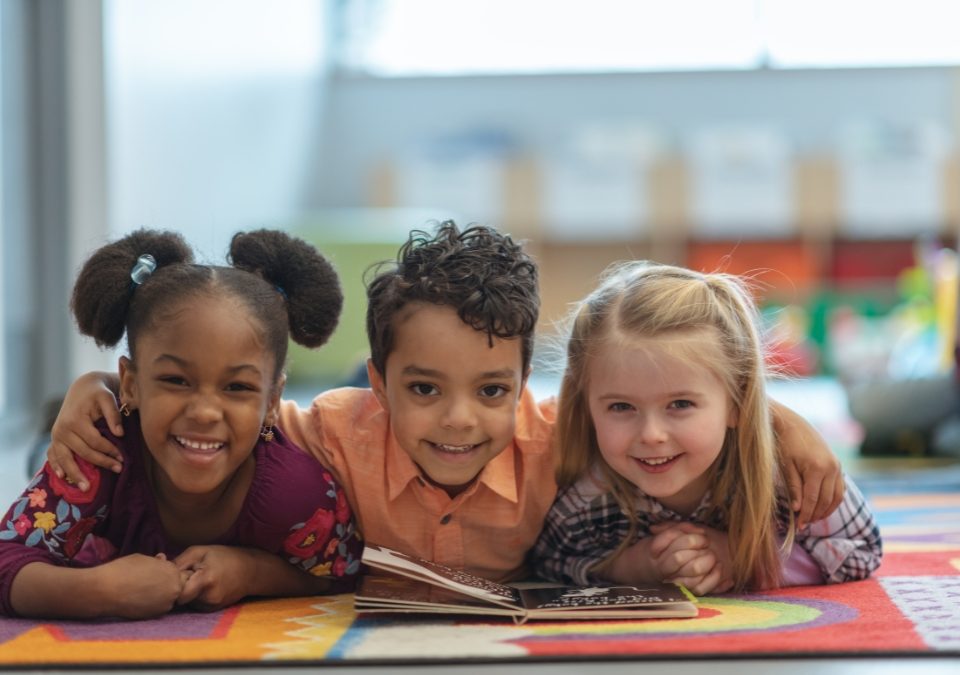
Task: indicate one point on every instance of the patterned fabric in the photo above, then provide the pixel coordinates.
(585, 525)
(293, 508)
(486, 530)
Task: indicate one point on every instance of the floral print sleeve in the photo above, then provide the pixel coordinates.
(299, 511)
(327, 543)
(50, 522)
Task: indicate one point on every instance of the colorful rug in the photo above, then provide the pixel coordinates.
(911, 607)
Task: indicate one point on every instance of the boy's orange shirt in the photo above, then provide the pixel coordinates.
(487, 529)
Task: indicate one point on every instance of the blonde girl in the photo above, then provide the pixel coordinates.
(670, 467)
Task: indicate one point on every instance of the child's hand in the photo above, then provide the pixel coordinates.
(139, 586)
(219, 576)
(708, 572)
(680, 549)
(813, 472)
(87, 400)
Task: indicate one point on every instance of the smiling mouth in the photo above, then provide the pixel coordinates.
(455, 449)
(656, 461)
(199, 446)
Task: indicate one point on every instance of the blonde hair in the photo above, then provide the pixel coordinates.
(646, 300)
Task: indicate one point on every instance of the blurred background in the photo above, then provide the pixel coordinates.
(811, 144)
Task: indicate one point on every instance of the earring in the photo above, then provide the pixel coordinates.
(266, 432)
(125, 409)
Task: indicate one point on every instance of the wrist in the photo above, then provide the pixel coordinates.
(634, 564)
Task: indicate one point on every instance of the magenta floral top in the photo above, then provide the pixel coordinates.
(293, 508)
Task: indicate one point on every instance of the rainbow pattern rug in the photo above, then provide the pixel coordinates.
(911, 607)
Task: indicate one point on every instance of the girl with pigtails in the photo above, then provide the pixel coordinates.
(670, 468)
(215, 504)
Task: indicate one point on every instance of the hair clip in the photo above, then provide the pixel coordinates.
(143, 269)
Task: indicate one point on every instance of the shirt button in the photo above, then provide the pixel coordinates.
(445, 519)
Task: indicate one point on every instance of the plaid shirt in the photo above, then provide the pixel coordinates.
(585, 525)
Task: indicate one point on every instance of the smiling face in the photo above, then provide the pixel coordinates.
(660, 418)
(452, 397)
(203, 386)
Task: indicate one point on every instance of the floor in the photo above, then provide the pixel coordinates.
(820, 401)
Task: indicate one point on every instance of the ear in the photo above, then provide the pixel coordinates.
(378, 384)
(129, 393)
(273, 404)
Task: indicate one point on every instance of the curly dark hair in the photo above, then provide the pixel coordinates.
(480, 272)
(289, 288)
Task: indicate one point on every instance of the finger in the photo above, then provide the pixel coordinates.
(813, 482)
(795, 486)
(698, 565)
(111, 413)
(95, 448)
(833, 487)
(193, 584)
(72, 472)
(709, 582)
(664, 541)
(191, 559)
(672, 563)
(74, 443)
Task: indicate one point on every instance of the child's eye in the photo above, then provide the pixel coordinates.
(174, 380)
(619, 406)
(493, 391)
(423, 389)
(240, 386)
(681, 404)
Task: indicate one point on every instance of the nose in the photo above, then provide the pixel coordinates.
(459, 413)
(205, 408)
(652, 431)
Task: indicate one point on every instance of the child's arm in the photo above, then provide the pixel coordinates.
(813, 471)
(133, 587)
(223, 575)
(579, 534)
(846, 544)
(89, 398)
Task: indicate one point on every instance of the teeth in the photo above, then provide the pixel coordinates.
(198, 445)
(657, 461)
(454, 448)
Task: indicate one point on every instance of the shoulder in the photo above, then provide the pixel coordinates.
(348, 409)
(288, 483)
(534, 421)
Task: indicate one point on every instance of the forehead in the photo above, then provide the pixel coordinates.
(206, 328)
(688, 358)
(434, 335)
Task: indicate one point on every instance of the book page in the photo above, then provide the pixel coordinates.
(435, 573)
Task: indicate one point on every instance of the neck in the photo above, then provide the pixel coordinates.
(196, 518)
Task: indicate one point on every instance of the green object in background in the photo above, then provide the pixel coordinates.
(353, 240)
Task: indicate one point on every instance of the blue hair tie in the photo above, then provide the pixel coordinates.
(281, 291)
(145, 266)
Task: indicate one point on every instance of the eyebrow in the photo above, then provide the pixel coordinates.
(186, 364)
(669, 394)
(505, 373)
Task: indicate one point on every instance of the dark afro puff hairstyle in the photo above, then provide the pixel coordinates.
(288, 287)
(300, 274)
(103, 290)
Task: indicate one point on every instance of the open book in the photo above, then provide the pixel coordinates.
(418, 585)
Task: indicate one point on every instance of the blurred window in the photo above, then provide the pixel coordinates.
(438, 37)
